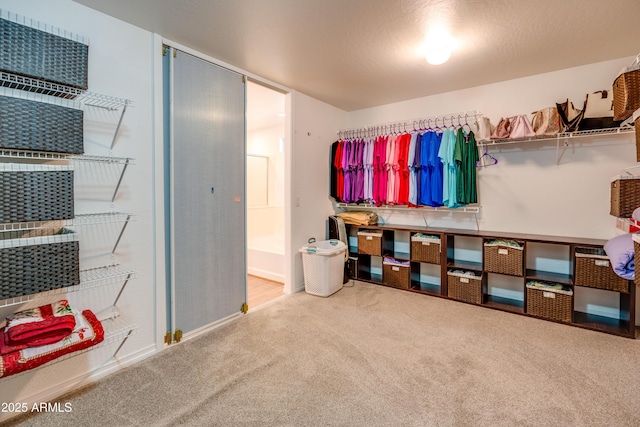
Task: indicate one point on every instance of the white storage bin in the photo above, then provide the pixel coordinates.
(323, 265)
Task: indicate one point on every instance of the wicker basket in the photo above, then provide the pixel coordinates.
(503, 259)
(636, 125)
(39, 126)
(593, 269)
(35, 193)
(32, 264)
(425, 249)
(550, 303)
(464, 287)
(38, 54)
(370, 242)
(626, 94)
(625, 196)
(396, 275)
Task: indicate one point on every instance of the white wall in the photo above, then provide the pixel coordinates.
(268, 220)
(120, 65)
(527, 191)
(315, 127)
(266, 142)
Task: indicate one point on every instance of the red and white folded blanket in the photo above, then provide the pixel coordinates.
(87, 332)
(38, 326)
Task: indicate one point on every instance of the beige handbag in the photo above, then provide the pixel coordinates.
(546, 122)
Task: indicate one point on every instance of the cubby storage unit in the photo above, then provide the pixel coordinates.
(528, 274)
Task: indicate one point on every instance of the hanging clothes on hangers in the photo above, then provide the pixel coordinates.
(402, 148)
(367, 160)
(471, 186)
(333, 189)
(347, 159)
(358, 165)
(392, 168)
(460, 153)
(425, 176)
(413, 171)
(380, 180)
(449, 173)
(339, 165)
(435, 170)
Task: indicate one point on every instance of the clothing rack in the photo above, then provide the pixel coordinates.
(442, 121)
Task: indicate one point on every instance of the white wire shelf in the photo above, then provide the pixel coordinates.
(102, 218)
(117, 329)
(81, 96)
(43, 155)
(78, 220)
(42, 26)
(560, 136)
(102, 159)
(466, 209)
(89, 279)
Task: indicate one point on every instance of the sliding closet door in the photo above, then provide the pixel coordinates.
(208, 192)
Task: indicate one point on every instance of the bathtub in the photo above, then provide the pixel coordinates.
(265, 256)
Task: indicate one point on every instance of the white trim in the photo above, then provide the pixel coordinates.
(252, 76)
(159, 276)
(269, 275)
(289, 251)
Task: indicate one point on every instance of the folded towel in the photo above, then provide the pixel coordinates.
(359, 218)
(394, 261)
(39, 326)
(87, 333)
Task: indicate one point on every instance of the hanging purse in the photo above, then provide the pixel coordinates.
(546, 122)
(598, 111)
(569, 116)
(484, 129)
(521, 127)
(502, 130)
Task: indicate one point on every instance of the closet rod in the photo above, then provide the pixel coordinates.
(414, 125)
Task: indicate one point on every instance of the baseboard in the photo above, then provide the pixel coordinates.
(78, 381)
(207, 328)
(269, 275)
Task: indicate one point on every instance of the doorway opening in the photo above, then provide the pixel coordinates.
(265, 127)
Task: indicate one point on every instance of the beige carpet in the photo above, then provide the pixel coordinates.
(373, 356)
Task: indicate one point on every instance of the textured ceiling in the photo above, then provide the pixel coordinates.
(356, 54)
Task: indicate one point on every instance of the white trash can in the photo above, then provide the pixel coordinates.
(323, 265)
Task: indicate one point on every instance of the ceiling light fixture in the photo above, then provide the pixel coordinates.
(438, 46)
(437, 55)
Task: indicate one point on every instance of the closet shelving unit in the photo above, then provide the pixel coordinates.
(563, 138)
(388, 210)
(421, 124)
(117, 328)
(466, 250)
